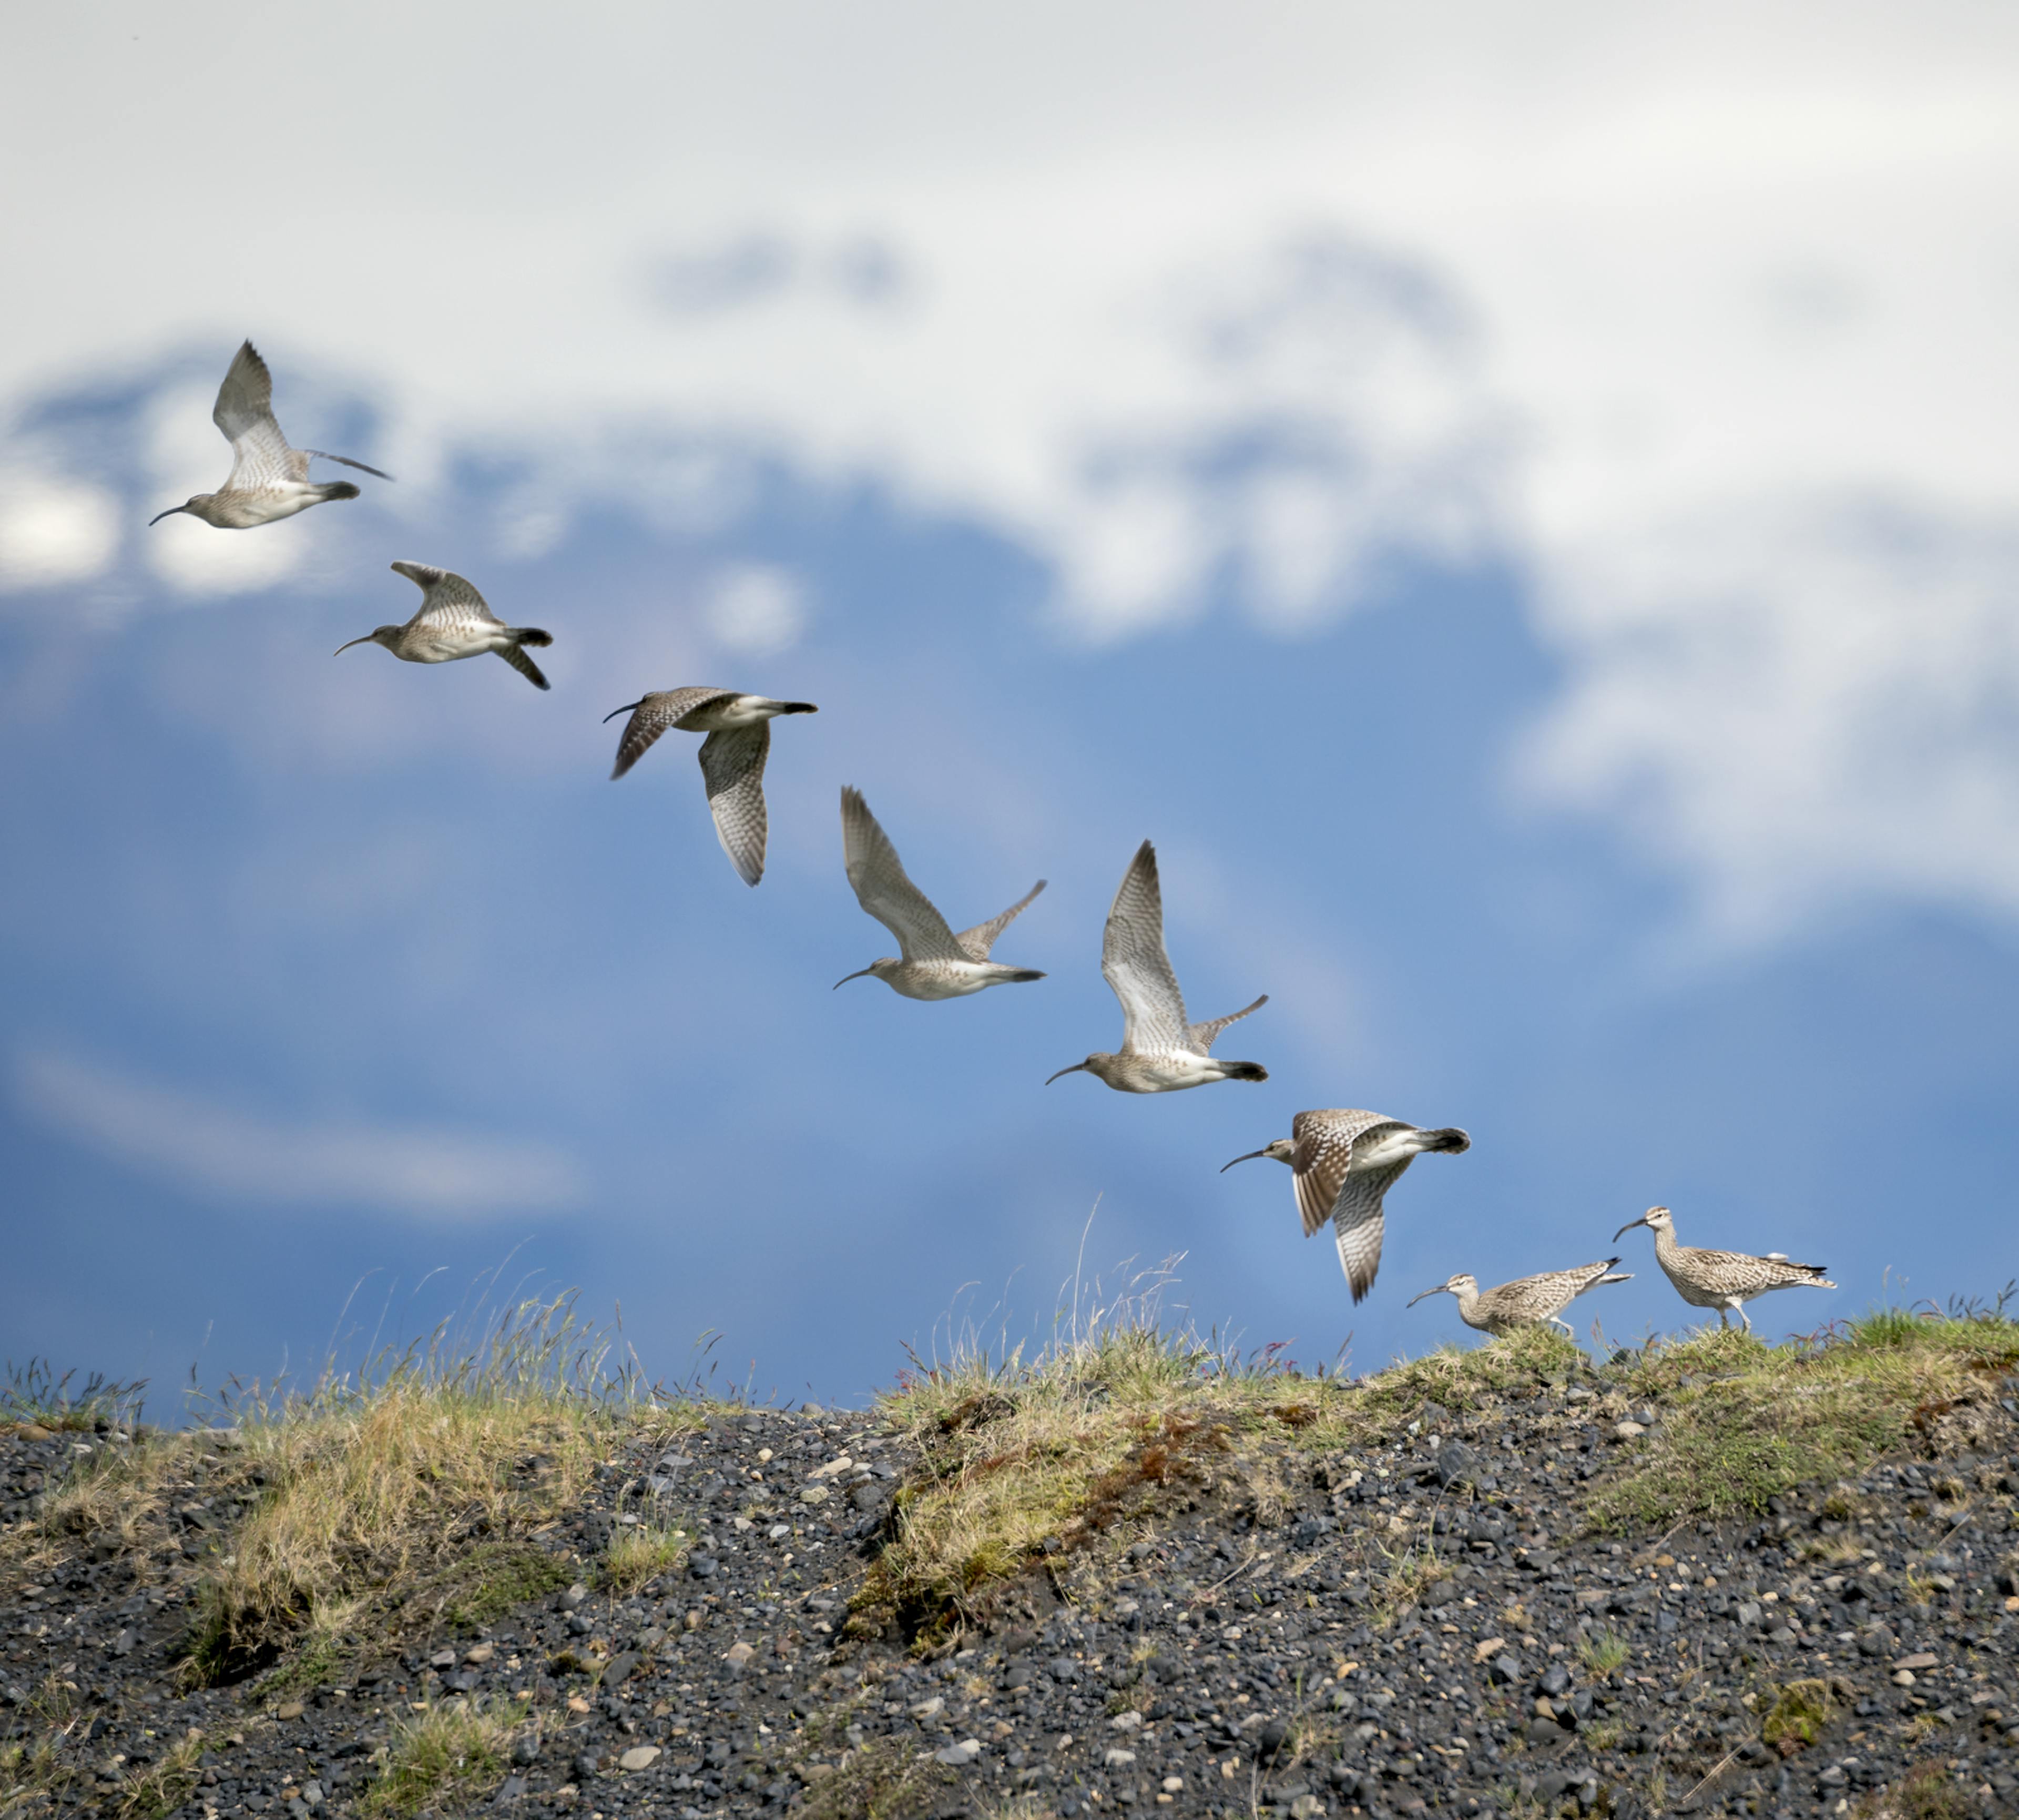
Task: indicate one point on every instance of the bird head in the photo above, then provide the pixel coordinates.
(1465, 1283)
(1091, 1065)
(195, 502)
(1283, 1149)
(880, 969)
(1657, 1217)
(378, 634)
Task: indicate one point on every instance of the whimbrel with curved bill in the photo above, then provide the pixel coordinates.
(1722, 1279)
(1342, 1163)
(1528, 1301)
(1160, 1051)
(268, 479)
(453, 621)
(936, 963)
(732, 757)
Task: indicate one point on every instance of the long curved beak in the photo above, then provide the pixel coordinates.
(625, 710)
(846, 977)
(159, 516)
(1075, 1069)
(1413, 1300)
(342, 648)
(1631, 1223)
(1251, 1156)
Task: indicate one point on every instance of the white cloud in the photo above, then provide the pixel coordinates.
(216, 1150)
(1215, 310)
(54, 530)
(1791, 701)
(756, 609)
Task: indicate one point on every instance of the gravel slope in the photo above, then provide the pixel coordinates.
(1419, 1628)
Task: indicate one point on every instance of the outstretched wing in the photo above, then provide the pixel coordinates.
(662, 708)
(1202, 1035)
(1133, 962)
(515, 655)
(322, 455)
(732, 767)
(975, 942)
(885, 890)
(244, 412)
(448, 602)
(1324, 1153)
(1357, 1223)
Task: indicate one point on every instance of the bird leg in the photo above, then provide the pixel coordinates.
(1745, 1317)
(1558, 1320)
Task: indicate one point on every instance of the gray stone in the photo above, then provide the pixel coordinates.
(1456, 1464)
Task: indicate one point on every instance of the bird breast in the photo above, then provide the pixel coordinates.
(1155, 1071)
(242, 511)
(943, 979)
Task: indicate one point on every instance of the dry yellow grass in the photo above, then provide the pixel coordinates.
(642, 1552)
(1025, 1462)
(375, 1508)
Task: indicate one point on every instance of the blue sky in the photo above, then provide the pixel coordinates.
(1527, 530)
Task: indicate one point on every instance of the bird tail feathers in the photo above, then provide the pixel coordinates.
(1450, 1138)
(1240, 1071)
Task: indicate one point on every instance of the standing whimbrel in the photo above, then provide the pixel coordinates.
(1528, 1301)
(1722, 1279)
(1160, 1052)
(937, 963)
(732, 757)
(268, 479)
(1342, 1163)
(453, 621)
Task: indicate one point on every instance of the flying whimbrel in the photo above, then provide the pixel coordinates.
(268, 479)
(1160, 1052)
(453, 621)
(1722, 1279)
(1528, 1301)
(936, 963)
(732, 757)
(1342, 1163)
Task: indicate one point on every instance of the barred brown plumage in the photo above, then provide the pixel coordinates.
(1527, 1301)
(732, 757)
(1722, 1279)
(1343, 1162)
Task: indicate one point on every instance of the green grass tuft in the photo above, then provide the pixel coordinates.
(1743, 1422)
(450, 1754)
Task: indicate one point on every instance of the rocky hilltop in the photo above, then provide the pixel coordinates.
(1710, 1576)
